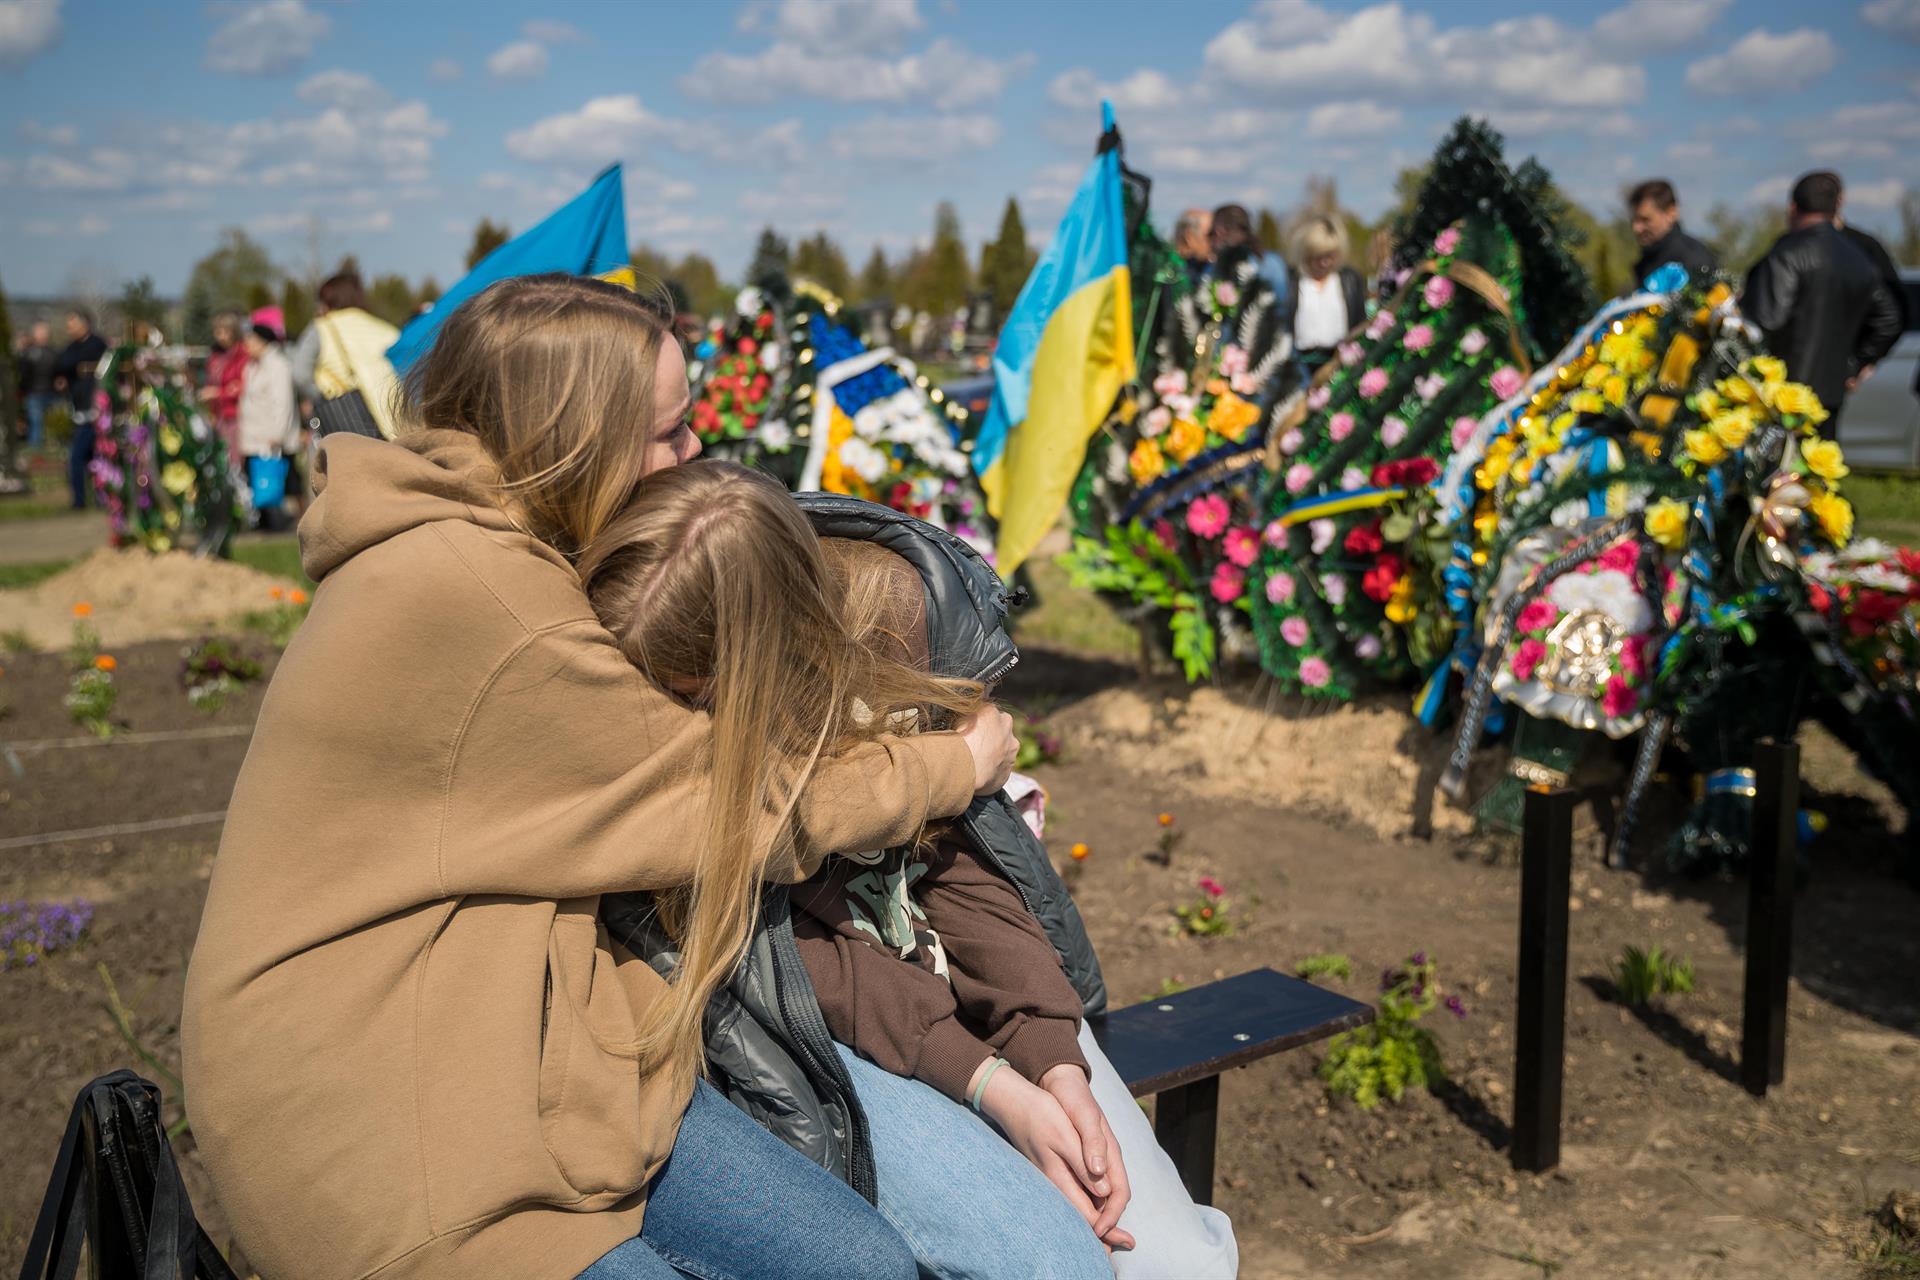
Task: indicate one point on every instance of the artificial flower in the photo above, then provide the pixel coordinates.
(1621, 557)
(1614, 390)
(1318, 397)
(1226, 293)
(1229, 583)
(1294, 630)
(1340, 426)
(1155, 420)
(1242, 546)
(1279, 588)
(1364, 539)
(1526, 656)
(1400, 606)
(176, 477)
(1418, 338)
(1437, 292)
(1797, 398)
(1146, 462)
(1633, 656)
(1315, 673)
(1666, 523)
(1232, 416)
(1733, 426)
(1353, 478)
(1321, 534)
(1216, 386)
(776, 435)
(1184, 439)
(1824, 459)
(1463, 429)
(1299, 476)
(1605, 591)
(1538, 615)
(1392, 431)
(1208, 516)
(1447, 241)
(1233, 359)
(1378, 582)
(1367, 647)
(1737, 390)
(1382, 322)
(1244, 384)
(1620, 698)
(1472, 342)
(1290, 442)
(1835, 516)
(1707, 403)
(1373, 382)
(1772, 369)
(1505, 382)
(1351, 353)
(1704, 447)
(1171, 383)
(1164, 534)
(1587, 402)
(1430, 386)
(1181, 404)
(1334, 587)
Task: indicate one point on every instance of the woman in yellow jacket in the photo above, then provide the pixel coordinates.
(344, 350)
(410, 1049)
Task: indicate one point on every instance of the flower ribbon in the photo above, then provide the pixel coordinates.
(1337, 504)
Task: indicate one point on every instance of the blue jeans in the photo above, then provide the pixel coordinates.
(969, 1206)
(733, 1202)
(38, 402)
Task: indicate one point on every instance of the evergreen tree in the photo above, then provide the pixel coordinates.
(1266, 229)
(259, 294)
(1006, 262)
(297, 304)
(9, 392)
(1908, 249)
(237, 276)
(487, 237)
(707, 294)
(141, 308)
(943, 277)
(771, 267)
(196, 314)
(430, 291)
(391, 298)
(819, 259)
(876, 278)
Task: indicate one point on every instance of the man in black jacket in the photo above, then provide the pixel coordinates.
(1656, 225)
(1821, 304)
(75, 371)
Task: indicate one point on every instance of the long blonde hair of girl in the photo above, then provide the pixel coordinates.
(715, 586)
(554, 374)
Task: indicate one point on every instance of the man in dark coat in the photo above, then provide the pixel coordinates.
(1823, 307)
(75, 370)
(1655, 210)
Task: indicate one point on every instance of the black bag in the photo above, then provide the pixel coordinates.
(116, 1191)
(348, 413)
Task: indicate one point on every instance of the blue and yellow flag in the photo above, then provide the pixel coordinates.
(587, 236)
(1064, 353)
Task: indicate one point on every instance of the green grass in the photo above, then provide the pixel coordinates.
(1063, 616)
(1885, 505)
(34, 506)
(278, 555)
(13, 576)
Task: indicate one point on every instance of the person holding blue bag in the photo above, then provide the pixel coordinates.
(269, 422)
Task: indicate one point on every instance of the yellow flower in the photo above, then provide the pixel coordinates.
(1615, 390)
(176, 477)
(1738, 390)
(1550, 443)
(1146, 462)
(1485, 523)
(1677, 366)
(1706, 403)
(1232, 416)
(1586, 402)
(1658, 409)
(1704, 447)
(170, 440)
(1667, 523)
(1732, 427)
(1400, 606)
(1595, 376)
(1835, 515)
(1824, 459)
(1184, 439)
(1794, 397)
(1489, 473)
(1624, 351)
(1772, 369)
(1522, 470)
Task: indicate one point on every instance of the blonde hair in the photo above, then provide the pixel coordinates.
(1315, 236)
(555, 376)
(715, 585)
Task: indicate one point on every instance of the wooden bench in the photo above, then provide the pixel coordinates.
(1176, 1047)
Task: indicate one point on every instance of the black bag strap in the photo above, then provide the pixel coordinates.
(53, 1251)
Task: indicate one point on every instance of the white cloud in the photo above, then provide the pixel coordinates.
(1900, 17)
(521, 60)
(1361, 119)
(1691, 154)
(54, 135)
(863, 26)
(944, 74)
(444, 69)
(605, 129)
(1144, 90)
(28, 28)
(1643, 26)
(1770, 191)
(303, 220)
(911, 140)
(1844, 150)
(1192, 158)
(266, 38)
(794, 196)
(1762, 62)
(342, 89)
(91, 225)
(552, 32)
(1885, 194)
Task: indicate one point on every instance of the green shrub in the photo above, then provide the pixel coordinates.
(1326, 965)
(1639, 976)
(1394, 1053)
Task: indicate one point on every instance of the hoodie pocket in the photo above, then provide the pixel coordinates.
(590, 1086)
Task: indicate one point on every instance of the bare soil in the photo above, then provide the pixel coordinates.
(1318, 825)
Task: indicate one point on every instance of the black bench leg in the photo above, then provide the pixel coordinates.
(1185, 1121)
(1776, 803)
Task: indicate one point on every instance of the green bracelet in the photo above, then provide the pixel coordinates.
(980, 1090)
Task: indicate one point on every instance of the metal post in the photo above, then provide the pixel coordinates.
(1185, 1121)
(1776, 803)
(1546, 871)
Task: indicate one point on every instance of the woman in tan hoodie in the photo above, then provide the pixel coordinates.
(410, 1049)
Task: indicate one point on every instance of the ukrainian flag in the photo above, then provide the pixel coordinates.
(1064, 353)
(587, 236)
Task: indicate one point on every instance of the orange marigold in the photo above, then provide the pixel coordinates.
(106, 662)
(1166, 819)
(1080, 852)
(297, 596)
(83, 610)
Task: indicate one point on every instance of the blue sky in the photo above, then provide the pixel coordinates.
(130, 133)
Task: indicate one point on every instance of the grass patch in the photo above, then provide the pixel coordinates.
(14, 576)
(1885, 505)
(1062, 616)
(34, 507)
(278, 555)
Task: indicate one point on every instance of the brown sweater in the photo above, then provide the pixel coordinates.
(403, 1023)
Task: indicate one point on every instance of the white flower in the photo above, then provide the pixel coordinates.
(863, 460)
(1118, 472)
(770, 354)
(1334, 588)
(1608, 592)
(1367, 647)
(1353, 478)
(1472, 342)
(1290, 442)
(1181, 405)
(1882, 578)
(1322, 532)
(870, 421)
(748, 302)
(775, 434)
(1155, 420)
(1430, 386)
(1243, 384)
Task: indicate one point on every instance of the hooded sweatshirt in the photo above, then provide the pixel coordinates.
(405, 1033)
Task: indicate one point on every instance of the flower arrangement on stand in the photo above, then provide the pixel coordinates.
(159, 470)
(732, 410)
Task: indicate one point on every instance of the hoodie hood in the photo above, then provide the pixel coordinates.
(370, 491)
(967, 603)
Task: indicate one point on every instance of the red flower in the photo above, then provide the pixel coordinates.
(765, 321)
(1872, 610)
(1377, 582)
(1405, 473)
(749, 420)
(1817, 596)
(748, 346)
(1364, 540)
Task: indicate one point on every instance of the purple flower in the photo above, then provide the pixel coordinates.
(1454, 1007)
(1419, 957)
(1367, 647)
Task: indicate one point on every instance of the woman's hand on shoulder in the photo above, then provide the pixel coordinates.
(989, 735)
(1039, 1128)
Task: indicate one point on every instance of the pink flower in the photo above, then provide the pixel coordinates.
(1430, 386)
(1155, 420)
(1527, 656)
(1633, 656)
(1620, 699)
(1275, 534)
(1227, 293)
(1447, 241)
(1208, 516)
(1472, 342)
(1229, 583)
(1505, 382)
(1211, 887)
(1367, 647)
(1392, 431)
(1315, 673)
(1539, 614)
(1290, 442)
(1242, 546)
(1163, 533)
(1340, 426)
(1373, 382)
(1233, 359)
(1350, 353)
(1299, 476)
(1322, 532)
(1243, 384)
(1463, 429)
(1353, 478)
(1437, 292)
(1318, 397)
(1418, 338)
(1382, 322)
(1620, 557)
(1280, 588)
(1294, 631)
(1170, 383)
(1334, 588)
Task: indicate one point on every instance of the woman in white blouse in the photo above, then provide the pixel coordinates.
(1329, 298)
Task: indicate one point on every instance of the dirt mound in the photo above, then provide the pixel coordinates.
(1367, 763)
(137, 596)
